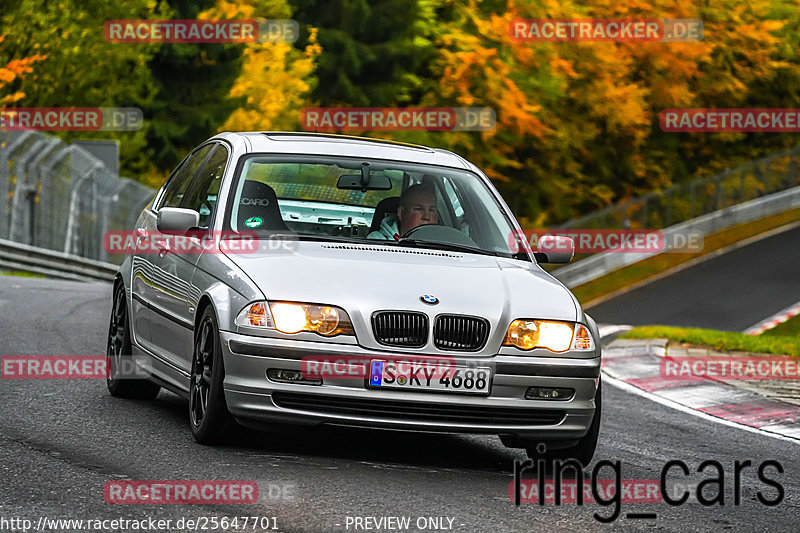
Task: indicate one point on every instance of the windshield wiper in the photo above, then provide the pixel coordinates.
(436, 245)
(332, 238)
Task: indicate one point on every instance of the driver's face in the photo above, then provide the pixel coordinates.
(420, 209)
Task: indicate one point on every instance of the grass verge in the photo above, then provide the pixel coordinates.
(651, 266)
(720, 340)
(21, 274)
(789, 328)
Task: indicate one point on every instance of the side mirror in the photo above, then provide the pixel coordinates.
(177, 220)
(555, 249)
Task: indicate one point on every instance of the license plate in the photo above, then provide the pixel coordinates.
(408, 376)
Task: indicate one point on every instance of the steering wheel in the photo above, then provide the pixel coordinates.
(439, 233)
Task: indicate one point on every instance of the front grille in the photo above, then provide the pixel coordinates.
(418, 411)
(400, 328)
(458, 332)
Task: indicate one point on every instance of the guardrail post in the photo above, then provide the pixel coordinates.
(5, 156)
(16, 230)
(35, 177)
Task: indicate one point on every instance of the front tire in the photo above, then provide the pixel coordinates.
(208, 413)
(119, 352)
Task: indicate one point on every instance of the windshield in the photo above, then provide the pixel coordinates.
(386, 202)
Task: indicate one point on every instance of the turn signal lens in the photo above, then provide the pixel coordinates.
(255, 315)
(583, 339)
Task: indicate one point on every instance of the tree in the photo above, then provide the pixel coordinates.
(578, 122)
(275, 79)
(374, 52)
(81, 68)
(193, 81)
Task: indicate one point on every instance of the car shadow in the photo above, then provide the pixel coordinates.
(411, 448)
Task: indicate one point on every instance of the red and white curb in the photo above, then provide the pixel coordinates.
(635, 365)
(778, 318)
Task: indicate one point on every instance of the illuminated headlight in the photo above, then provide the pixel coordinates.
(527, 334)
(289, 317)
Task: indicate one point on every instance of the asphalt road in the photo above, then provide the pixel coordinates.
(730, 292)
(62, 440)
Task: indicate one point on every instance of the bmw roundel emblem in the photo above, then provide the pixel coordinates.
(429, 299)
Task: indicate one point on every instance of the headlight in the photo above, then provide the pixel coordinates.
(289, 317)
(527, 334)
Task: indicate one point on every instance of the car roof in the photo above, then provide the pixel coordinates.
(345, 145)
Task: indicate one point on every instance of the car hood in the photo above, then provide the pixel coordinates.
(363, 279)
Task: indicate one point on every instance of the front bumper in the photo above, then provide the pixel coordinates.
(255, 400)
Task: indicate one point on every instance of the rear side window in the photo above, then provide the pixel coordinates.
(180, 180)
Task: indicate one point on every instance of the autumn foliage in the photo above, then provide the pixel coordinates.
(577, 122)
(16, 69)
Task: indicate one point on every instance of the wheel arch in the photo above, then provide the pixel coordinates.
(204, 303)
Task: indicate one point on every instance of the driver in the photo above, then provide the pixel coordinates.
(417, 207)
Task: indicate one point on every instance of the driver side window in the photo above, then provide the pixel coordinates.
(182, 177)
(203, 192)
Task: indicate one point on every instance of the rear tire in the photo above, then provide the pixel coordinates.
(208, 413)
(119, 352)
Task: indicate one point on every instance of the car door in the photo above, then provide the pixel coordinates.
(145, 281)
(174, 298)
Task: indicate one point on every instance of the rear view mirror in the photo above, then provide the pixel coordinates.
(366, 181)
(177, 220)
(352, 182)
(555, 249)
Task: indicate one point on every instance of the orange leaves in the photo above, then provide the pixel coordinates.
(15, 69)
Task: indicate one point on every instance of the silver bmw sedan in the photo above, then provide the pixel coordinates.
(299, 278)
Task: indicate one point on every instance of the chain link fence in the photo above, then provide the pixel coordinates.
(60, 197)
(685, 201)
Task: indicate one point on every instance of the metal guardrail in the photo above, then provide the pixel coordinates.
(16, 256)
(601, 264)
(686, 201)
